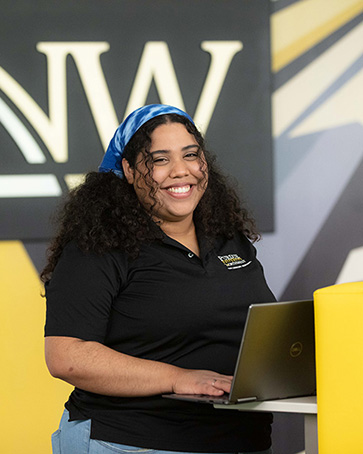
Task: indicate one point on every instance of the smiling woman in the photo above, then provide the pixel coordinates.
(177, 174)
(131, 275)
(178, 180)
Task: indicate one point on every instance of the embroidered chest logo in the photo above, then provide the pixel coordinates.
(233, 261)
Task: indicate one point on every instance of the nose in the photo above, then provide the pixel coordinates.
(179, 169)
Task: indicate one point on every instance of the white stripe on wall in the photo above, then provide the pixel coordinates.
(21, 136)
(29, 186)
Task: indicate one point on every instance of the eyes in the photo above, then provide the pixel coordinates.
(163, 159)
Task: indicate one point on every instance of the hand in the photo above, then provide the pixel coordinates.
(201, 382)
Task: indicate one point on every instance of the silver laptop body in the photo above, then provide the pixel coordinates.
(276, 359)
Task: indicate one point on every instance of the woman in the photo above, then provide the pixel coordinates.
(147, 285)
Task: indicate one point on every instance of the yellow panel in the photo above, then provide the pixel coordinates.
(297, 28)
(339, 364)
(31, 400)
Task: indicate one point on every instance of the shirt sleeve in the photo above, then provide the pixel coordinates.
(81, 292)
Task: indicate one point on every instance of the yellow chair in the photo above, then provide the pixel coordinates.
(339, 367)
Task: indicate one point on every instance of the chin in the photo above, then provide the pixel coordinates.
(173, 216)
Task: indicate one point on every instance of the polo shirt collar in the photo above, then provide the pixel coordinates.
(205, 245)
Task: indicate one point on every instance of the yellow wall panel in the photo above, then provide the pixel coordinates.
(31, 400)
(297, 28)
(339, 367)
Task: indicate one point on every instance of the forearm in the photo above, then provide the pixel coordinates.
(94, 367)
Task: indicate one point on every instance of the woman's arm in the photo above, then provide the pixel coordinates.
(94, 367)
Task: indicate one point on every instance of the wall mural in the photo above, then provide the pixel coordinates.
(65, 89)
(69, 73)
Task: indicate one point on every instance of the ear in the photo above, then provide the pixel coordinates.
(129, 172)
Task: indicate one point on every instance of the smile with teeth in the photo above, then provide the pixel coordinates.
(179, 189)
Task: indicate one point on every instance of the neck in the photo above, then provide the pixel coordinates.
(182, 231)
(179, 228)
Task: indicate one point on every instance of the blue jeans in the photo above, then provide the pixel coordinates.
(73, 437)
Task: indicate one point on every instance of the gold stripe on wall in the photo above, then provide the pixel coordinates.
(31, 400)
(297, 28)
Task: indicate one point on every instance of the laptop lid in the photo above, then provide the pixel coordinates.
(277, 355)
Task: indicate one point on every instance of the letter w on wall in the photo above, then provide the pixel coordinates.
(155, 64)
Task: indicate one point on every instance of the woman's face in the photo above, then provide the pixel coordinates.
(176, 170)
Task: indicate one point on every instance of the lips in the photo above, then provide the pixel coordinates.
(179, 189)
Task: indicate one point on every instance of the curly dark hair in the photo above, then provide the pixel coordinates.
(104, 213)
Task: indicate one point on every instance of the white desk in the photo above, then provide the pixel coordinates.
(305, 405)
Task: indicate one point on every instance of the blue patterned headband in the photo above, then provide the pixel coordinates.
(113, 156)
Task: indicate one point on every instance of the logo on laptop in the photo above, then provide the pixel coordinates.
(296, 349)
(233, 261)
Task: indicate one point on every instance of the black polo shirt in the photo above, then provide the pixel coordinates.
(167, 305)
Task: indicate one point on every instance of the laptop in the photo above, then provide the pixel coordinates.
(276, 359)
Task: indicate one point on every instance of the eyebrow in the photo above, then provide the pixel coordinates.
(186, 148)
